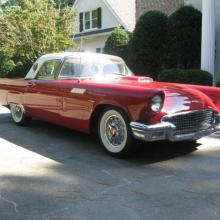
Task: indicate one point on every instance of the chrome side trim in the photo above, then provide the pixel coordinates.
(78, 91)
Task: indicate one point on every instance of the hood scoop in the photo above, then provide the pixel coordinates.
(144, 79)
(139, 79)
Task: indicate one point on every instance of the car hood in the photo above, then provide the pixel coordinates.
(178, 97)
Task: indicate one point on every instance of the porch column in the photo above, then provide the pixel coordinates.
(208, 36)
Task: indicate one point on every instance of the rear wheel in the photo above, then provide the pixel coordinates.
(18, 115)
(115, 133)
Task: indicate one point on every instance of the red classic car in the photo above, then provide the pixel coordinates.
(98, 93)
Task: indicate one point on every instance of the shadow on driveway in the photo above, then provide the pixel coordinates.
(47, 139)
(69, 176)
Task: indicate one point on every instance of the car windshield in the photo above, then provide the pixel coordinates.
(93, 67)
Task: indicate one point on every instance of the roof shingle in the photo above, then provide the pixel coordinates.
(166, 6)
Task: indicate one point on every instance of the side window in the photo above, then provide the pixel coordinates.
(35, 66)
(32, 72)
(72, 67)
(48, 70)
(111, 69)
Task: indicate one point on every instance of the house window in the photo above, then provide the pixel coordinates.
(90, 20)
(94, 18)
(87, 20)
(98, 50)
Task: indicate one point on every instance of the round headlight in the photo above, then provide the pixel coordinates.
(156, 103)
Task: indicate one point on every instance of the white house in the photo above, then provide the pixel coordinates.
(97, 19)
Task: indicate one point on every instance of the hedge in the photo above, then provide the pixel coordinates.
(147, 46)
(184, 44)
(197, 77)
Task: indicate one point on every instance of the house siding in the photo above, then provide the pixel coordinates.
(93, 43)
(166, 6)
(125, 10)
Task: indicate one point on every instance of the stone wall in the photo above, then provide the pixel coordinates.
(166, 6)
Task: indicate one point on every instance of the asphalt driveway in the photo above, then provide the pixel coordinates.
(49, 172)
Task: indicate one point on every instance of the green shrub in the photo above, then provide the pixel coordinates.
(218, 84)
(147, 46)
(29, 30)
(117, 43)
(197, 77)
(184, 44)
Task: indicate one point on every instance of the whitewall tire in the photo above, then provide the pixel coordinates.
(115, 133)
(18, 115)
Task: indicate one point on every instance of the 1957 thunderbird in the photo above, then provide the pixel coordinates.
(98, 93)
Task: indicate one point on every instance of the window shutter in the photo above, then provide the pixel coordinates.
(99, 17)
(81, 22)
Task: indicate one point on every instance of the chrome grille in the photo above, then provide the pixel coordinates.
(191, 121)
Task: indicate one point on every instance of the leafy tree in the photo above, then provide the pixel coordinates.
(30, 30)
(147, 48)
(59, 3)
(184, 44)
(63, 3)
(117, 43)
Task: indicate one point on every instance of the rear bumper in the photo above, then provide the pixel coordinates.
(166, 131)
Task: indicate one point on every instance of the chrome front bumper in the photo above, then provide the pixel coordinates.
(166, 131)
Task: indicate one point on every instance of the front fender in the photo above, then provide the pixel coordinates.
(213, 93)
(116, 104)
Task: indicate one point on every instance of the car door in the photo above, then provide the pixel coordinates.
(42, 96)
(76, 105)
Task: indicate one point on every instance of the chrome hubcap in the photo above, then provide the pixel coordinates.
(115, 130)
(17, 113)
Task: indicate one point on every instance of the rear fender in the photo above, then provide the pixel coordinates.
(15, 97)
(3, 98)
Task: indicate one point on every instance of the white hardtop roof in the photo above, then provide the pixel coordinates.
(60, 56)
(63, 55)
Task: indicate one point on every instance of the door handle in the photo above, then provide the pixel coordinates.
(31, 84)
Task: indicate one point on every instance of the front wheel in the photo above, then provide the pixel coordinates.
(18, 115)
(115, 133)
